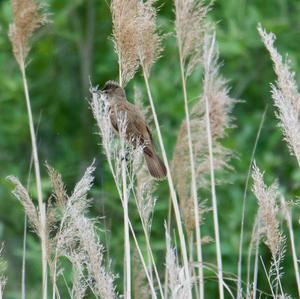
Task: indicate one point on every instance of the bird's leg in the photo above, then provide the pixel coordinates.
(125, 157)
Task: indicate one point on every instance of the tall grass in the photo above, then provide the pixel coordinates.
(28, 16)
(69, 238)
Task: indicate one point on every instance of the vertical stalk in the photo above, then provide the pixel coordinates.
(24, 259)
(214, 202)
(193, 270)
(171, 187)
(168, 231)
(193, 178)
(268, 277)
(125, 208)
(126, 230)
(131, 229)
(239, 282)
(294, 254)
(256, 263)
(42, 211)
(149, 249)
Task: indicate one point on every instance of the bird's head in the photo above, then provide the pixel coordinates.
(113, 91)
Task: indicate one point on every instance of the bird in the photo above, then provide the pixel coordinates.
(137, 130)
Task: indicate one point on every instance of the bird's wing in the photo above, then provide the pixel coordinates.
(137, 125)
(113, 118)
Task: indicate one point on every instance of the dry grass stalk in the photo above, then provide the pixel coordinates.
(288, 216)
(255, 275)
(218, 106)
(190, 30)
(285, 95)
(183, 246)
(240, 257)
(145, 199)
(28, 16)
(255, 237)
(221, 106)
(2, 277)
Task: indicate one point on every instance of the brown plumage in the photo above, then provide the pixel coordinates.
(137, 130)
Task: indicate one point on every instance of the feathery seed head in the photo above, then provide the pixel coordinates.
(190, 30)
(22, 195)
(77, 239)
(135, 37)
(59, 189)
(28, 16)
(268, 208)
(149, 42)
(285, 95)
(124, 14)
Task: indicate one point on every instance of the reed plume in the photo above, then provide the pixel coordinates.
(270, 226)
(78, 241)
(267, 201)
(285, 95)
(191, 26)
(134, 35)
(22, 195)
(124, 14)
(148, 40)
(28, 16)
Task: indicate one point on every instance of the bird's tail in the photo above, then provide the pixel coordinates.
(155, 165)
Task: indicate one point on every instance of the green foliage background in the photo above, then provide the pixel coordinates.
(58, 68)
